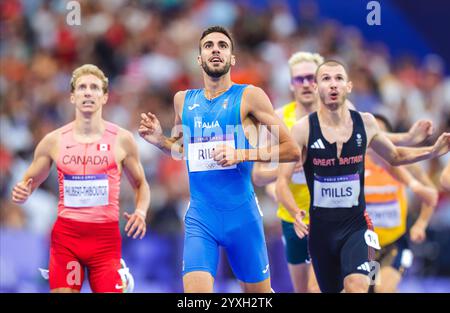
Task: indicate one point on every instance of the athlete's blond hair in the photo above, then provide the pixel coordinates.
(301, 56)
(87, 69)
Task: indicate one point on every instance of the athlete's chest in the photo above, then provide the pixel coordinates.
(205, 114)
(333, 147)
(338, 136)
(211, 123)
(96, 155)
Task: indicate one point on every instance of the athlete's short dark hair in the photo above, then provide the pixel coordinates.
(216, 29)
(331, 63)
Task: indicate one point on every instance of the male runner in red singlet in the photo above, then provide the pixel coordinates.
(90, 154)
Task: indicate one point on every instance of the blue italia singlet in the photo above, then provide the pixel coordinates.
(206, 124)
(223, 209)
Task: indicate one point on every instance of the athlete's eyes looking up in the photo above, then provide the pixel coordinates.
(94, 87)
(328, 78)
(221, 44)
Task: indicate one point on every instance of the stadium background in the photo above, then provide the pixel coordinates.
(148, 50)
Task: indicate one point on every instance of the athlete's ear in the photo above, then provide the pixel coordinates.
(199, 60)
(233, 59)
(105, 98)
(72, 98)
(349, 86)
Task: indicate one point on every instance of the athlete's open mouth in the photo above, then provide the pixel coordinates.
(88, 102)
(334, 95)
(215, 60)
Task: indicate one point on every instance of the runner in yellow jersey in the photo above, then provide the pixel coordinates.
(387, 206)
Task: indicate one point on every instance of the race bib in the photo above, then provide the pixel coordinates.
(336, 191)
(86, 190)
(371, 239)
(200, 153)
(385, 214)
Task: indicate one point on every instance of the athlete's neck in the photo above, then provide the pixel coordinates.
(89, 126)
(333, 118)
(214, 87)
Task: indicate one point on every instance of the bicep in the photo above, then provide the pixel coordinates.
(42, 160)
(260, 107)
(264, 113)
(178, 102)
(377, 139)
(383, 146)
(300, 133)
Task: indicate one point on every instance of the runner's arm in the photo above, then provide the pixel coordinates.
(38, 170)
(300, 133)
(150, 129)
(136, 224)
(135, 173)
(401, 155)
(418, 132)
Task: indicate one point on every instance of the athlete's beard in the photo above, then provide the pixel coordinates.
(216, 72)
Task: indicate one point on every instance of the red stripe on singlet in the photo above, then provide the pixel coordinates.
(371, 251)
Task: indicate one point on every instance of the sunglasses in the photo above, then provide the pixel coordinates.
(300, 80)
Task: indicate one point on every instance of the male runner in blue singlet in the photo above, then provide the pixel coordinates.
(223, 210)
